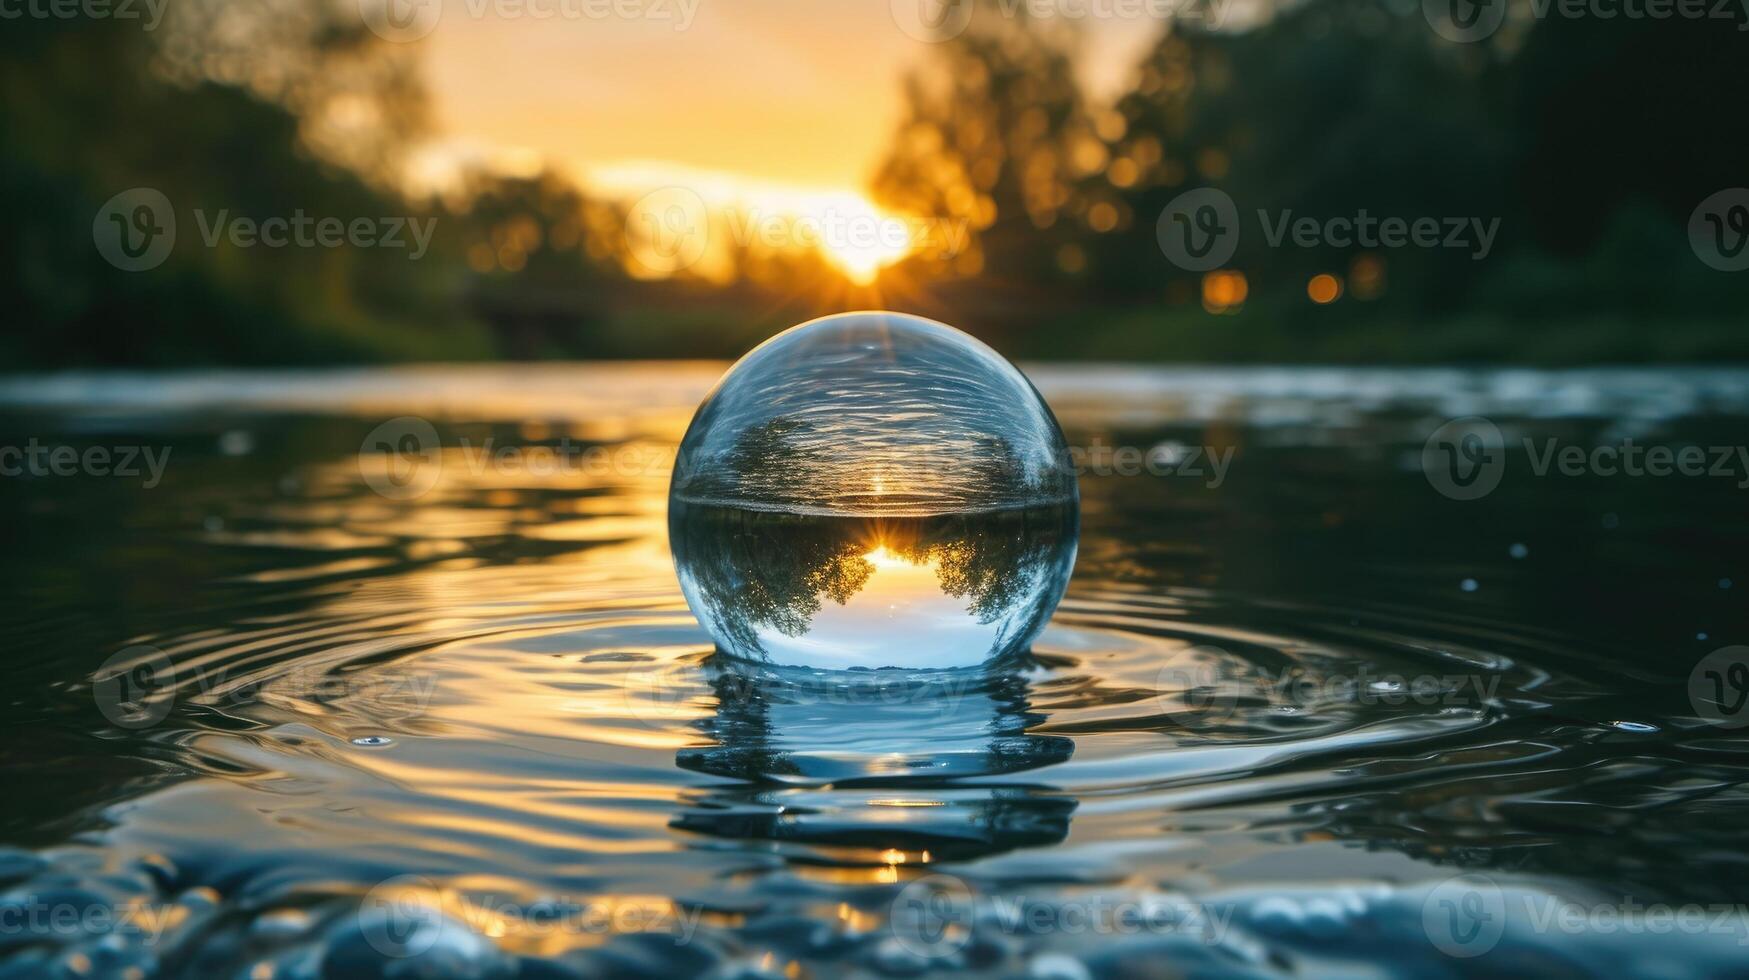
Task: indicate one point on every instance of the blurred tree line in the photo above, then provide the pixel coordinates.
(225, 114)
(1591, 140)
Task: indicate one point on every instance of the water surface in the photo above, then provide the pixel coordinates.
(422, 694)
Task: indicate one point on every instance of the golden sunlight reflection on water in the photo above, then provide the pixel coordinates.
(495, 685)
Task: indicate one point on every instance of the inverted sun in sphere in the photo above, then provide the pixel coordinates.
(873, 490)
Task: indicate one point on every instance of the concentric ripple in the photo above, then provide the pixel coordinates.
(472, 731)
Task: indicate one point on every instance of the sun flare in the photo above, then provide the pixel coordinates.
(844, 226)
(870, 241)
(880, 557)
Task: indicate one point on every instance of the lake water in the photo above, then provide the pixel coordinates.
(388, 673)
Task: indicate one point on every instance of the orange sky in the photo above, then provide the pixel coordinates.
(759, 93)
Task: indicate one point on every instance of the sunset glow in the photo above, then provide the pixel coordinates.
(724, 212)
(791, 137)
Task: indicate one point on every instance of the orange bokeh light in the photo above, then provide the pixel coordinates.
(1224, 291)
(1324, 288)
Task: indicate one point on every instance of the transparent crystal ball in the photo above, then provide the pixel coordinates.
(873, 490)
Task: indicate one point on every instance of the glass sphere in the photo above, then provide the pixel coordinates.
(873, 490)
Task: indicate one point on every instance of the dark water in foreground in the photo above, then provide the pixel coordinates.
(438, 709)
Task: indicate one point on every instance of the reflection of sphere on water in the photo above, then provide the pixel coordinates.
(873, 490)
(862, 763)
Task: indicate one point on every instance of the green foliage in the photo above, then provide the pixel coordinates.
(1591, 141)
(74, 139)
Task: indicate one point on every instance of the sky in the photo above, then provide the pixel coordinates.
(777, 100)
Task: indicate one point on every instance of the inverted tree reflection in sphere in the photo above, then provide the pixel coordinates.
(873, 490)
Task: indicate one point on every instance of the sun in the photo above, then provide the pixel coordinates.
(847, 229)
(880, 557)
(860, 238)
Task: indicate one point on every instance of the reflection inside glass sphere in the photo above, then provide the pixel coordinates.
(867, 765)
(873, 490)
(841, 592)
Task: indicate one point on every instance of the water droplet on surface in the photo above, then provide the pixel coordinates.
(1469, 585)
(372, 740)
(1518, 550)
(873, 490)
